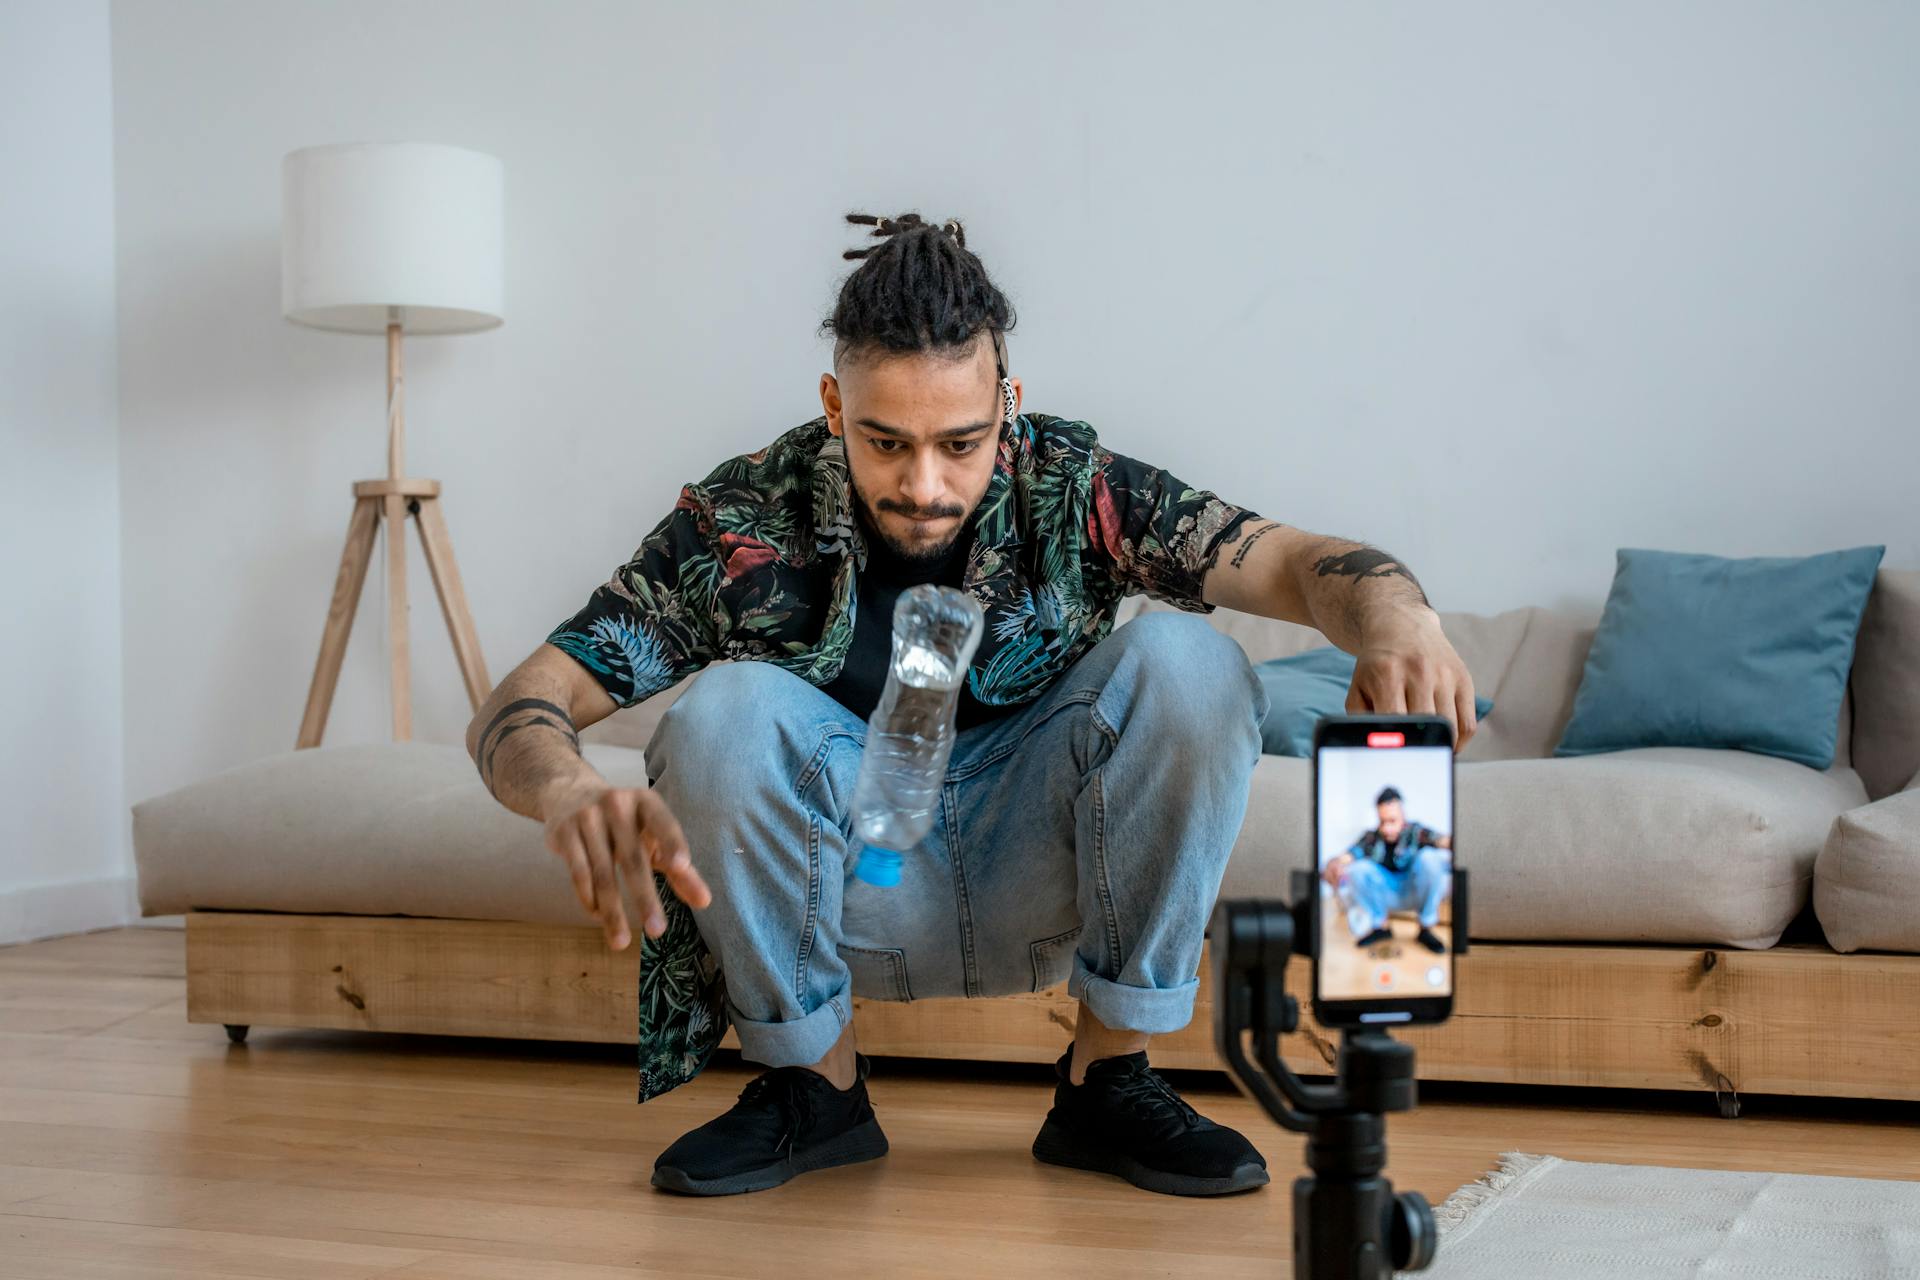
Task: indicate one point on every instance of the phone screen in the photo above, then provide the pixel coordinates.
(1383, 835)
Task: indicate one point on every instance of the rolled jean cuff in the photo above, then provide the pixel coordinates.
(799, 1043)
(1150, 1010)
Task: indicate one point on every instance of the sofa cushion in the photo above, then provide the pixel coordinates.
(1668, 844)
(1531, 681)
(1886, 684)
(385, 829)
(1866, 885)
(1705, 651)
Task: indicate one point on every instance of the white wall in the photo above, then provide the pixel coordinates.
(64, 861)
(1499, 286)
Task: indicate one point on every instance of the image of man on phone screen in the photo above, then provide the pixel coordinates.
(1396, 866)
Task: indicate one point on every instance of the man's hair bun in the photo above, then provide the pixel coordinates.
(919, 289)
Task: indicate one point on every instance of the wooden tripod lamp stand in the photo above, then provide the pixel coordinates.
(392, 238)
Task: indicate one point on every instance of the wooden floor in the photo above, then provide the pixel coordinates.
(135, 1145)
(1398, 967)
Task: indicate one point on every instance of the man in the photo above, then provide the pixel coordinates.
(1397, 866)
(1095, 789)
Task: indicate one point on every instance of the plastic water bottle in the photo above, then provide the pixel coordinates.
(910, 734)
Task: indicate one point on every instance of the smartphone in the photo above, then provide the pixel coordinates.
(1383, 870)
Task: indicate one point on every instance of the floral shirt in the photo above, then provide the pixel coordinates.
(757, 563)
(1395, 855)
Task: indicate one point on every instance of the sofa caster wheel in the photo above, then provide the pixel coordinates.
(237, 1032)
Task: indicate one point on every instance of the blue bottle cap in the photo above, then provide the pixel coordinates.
(879, 866)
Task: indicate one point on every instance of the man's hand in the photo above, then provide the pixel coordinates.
(1336, 869)
(598, 830)
(1407, 667)
(1363, 600)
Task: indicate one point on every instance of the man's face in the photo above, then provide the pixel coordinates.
(1392, 820)
(921, 433)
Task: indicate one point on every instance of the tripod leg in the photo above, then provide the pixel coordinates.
(396, 518)
(340, 611)
(453, 600)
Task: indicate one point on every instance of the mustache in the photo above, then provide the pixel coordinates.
(930, 513)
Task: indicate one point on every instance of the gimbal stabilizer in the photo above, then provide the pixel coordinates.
(1347, 1222)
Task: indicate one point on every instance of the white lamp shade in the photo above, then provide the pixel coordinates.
(369, 226)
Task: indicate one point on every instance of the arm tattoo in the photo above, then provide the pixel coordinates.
(525, 713)
(1233, 535)
(1368, 562)
(1240, 556)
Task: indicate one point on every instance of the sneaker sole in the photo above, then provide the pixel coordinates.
(1056, 1145)
(855, 1146)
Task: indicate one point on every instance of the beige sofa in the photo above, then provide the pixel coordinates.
(1606, 888)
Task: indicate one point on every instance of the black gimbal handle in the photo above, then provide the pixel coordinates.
(1348, 1223)
(1253, 938)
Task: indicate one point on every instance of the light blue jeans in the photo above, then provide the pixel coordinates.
(1371, 891)
(1083, 836)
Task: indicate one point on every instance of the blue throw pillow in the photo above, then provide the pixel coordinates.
(1303, 689)
(1701, 651)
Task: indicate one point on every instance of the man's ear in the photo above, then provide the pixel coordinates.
(830, 403)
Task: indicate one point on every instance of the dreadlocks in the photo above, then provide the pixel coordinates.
(920, 289)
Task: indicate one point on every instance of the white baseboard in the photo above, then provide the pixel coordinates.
(77, 906)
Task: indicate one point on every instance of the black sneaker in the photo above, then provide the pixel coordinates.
(788, 1121)
(1125, 1120)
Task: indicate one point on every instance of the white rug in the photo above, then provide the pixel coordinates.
(1540, 1216)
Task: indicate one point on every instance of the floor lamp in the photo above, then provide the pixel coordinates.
(392, 238)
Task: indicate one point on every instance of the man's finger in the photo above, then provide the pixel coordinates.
(1468, 722)
(1356, 701)
(623, 829)
(632, 858)
(688, 884)
(1394, 703)
(1422, 700)
(574, 853)
(606, 889)
(653, 918)
(670, 855)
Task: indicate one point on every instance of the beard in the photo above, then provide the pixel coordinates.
(921, 555)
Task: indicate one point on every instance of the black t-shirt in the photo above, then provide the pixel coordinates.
(864, 676)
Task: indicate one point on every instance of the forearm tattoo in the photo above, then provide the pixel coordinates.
(1368, 562)
(523, 713)
(1239, 557)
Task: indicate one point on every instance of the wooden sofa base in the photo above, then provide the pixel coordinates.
(1792, 1020)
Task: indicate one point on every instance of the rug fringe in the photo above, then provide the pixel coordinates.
(1468, 1200)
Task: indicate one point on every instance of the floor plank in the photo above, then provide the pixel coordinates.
(133, 1144)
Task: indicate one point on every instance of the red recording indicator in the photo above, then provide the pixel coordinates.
(1386, 739)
